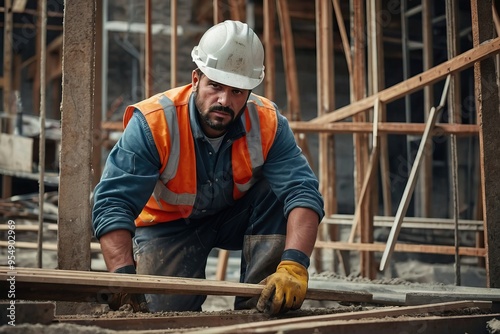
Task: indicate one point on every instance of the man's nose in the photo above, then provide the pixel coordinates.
(223, 98)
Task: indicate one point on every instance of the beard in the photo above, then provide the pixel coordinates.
(214, 124)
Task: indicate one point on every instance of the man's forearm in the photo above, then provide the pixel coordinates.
(302, 230)
(116, 247)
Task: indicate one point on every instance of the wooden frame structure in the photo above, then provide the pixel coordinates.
(326, 123)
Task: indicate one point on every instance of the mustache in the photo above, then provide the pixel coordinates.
(223, 109)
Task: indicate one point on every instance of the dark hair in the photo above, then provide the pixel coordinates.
(199, 73)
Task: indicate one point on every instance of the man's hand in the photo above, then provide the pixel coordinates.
(117, 300)
(285, 289)
(136, 301)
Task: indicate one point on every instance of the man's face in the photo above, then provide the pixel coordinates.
(219, 105)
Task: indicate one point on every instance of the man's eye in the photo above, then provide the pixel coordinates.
(237, 92)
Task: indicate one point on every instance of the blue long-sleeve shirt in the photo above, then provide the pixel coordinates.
(132, 170)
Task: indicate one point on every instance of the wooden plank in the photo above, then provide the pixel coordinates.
(94, 247)
(343, 35)
(454, 116)
(269, 13)
(423, 192)
(368, 178)
(173, 43)
(200, 322)
(16, 153)
(400, 247)
(395, 294)
(325, 76)
(223, 257)
(396, 128)
(419, 298)
(410, 185)
(65, 284)
(463, 61)
(148, 51)
(177, 320)
(313, 324)
(7, 83)
(487, 102)
(19, 6)
(288, 49)
(360, 140)
(411, 222)
(437, 324)
(29, 228)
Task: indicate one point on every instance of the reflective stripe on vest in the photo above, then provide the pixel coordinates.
(254, 142)
(161, 191)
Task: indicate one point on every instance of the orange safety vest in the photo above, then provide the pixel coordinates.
(167, 115)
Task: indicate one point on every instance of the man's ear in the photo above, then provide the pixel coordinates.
(195, 80)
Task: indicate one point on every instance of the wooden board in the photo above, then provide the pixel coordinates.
(16, 153)
(71, 285)
(308, 324)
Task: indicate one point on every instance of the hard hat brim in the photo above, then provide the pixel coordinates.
(230, 79)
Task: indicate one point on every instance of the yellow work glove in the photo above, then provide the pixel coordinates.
(285, 289)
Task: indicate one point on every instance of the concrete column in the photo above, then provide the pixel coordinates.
(76, 146)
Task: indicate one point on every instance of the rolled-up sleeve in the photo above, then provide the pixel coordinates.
(289, 173)
(128, 179)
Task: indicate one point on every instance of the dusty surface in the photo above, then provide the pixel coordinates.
(412, 273)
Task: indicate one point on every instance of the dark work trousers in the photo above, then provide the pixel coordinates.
(255, 224)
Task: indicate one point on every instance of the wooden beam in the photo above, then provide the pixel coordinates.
(148, 51)
(19, 6)
(395, 128)
(409, 222)
(423, 191)
(327, 323)
(405, 248)
(343, 35)
(269, 42)
(463, 61)
(173, 320)
(487, 102)
(94, 247)
(33, 282)
(410, 186)
(7, 84)
(368, 178)
(288, 49)
(325, 74)
(173, 43)
(223, 258)
(454, 116)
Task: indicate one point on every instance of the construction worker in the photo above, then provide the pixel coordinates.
(210, 165)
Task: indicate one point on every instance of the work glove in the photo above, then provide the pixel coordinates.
(285, 289)
(137, 300)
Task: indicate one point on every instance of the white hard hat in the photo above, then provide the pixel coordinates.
(232, 54)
